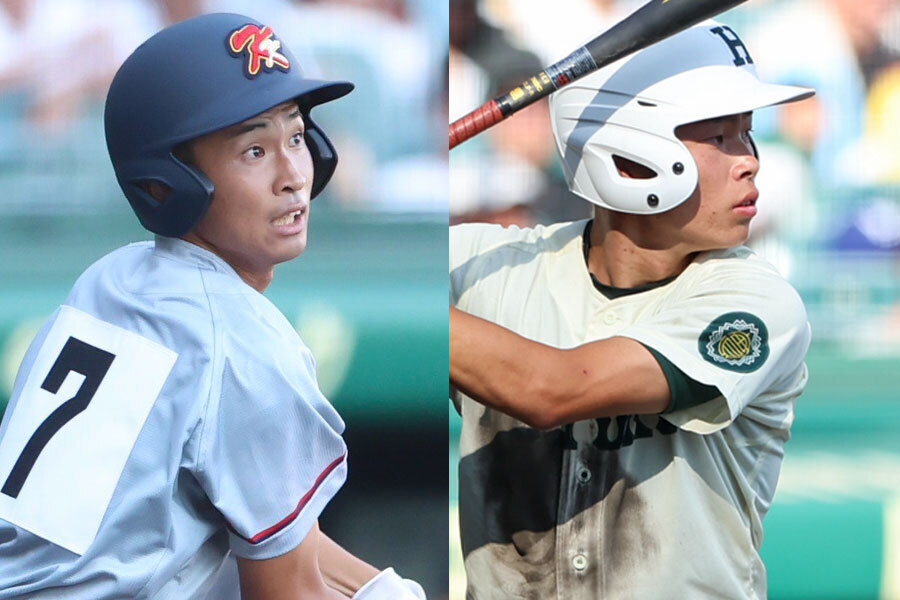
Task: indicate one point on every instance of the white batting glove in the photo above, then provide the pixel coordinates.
(387, 585)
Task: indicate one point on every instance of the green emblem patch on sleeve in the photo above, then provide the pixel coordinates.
(736, 341)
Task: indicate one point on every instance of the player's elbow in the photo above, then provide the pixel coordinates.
(543, 419)
(527, 401)
(549, 397)
(563, 388)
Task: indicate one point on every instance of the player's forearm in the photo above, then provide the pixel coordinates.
(505, 371)
(546, 387)
(340, 569)
(295, 574)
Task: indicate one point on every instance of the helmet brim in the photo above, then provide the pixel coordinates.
(254, 101)
(320, 92)
(737, 91)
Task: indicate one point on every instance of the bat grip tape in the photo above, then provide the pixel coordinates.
(475, 122)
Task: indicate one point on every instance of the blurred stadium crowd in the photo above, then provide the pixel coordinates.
(830, 168)
(57, 58)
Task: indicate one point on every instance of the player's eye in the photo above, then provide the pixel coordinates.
(297, 138)
(716, 139)
(255, 152)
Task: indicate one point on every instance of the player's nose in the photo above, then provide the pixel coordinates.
(294, 171)
(745, 165)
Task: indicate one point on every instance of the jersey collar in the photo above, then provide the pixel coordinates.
(610, 291)
(185, 251)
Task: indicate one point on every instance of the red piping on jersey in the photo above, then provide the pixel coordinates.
(267, 533)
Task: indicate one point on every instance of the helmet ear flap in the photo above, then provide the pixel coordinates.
(190, 196)
(323, 154)
(590, 155)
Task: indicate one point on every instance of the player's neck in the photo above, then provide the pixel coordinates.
(257, 278)
(622, 255)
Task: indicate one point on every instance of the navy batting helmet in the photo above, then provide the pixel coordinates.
(190, 79)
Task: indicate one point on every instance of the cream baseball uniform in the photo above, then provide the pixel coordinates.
(647, 506)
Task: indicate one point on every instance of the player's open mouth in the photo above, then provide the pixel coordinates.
(749, 199)
(288, 218)
(748, 206)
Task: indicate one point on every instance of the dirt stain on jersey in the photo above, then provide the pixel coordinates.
(523, 489)
(508, 486)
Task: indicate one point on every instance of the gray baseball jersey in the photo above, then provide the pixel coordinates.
(166, 413)
(633, 506)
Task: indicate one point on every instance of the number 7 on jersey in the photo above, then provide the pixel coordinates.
(77, 356)
(89, 386)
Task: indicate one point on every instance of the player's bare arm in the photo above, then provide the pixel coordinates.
(293, 575)
(546, 387)
(342, 570)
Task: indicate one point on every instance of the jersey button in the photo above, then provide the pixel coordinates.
(579, 562)
(610, 318)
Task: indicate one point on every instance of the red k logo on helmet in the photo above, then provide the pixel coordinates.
(261, 48)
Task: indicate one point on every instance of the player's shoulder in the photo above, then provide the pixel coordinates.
(120, 259)
(162, 267)
(740, 268)
(177, 293)
(473, 239)
(736, 260)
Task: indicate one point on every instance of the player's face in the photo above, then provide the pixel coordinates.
(718, 214)
(262, 172)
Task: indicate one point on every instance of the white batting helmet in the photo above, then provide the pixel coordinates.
(631, 108)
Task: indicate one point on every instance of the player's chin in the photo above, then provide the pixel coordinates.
(738, 235)
(288, 248)
(735, 235)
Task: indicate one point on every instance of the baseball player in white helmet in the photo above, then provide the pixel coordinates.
(168, 414)
(627, 383)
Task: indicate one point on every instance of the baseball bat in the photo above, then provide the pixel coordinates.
(656, 20)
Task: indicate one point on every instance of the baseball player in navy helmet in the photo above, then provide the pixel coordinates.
(627, 383)
(167, 414)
